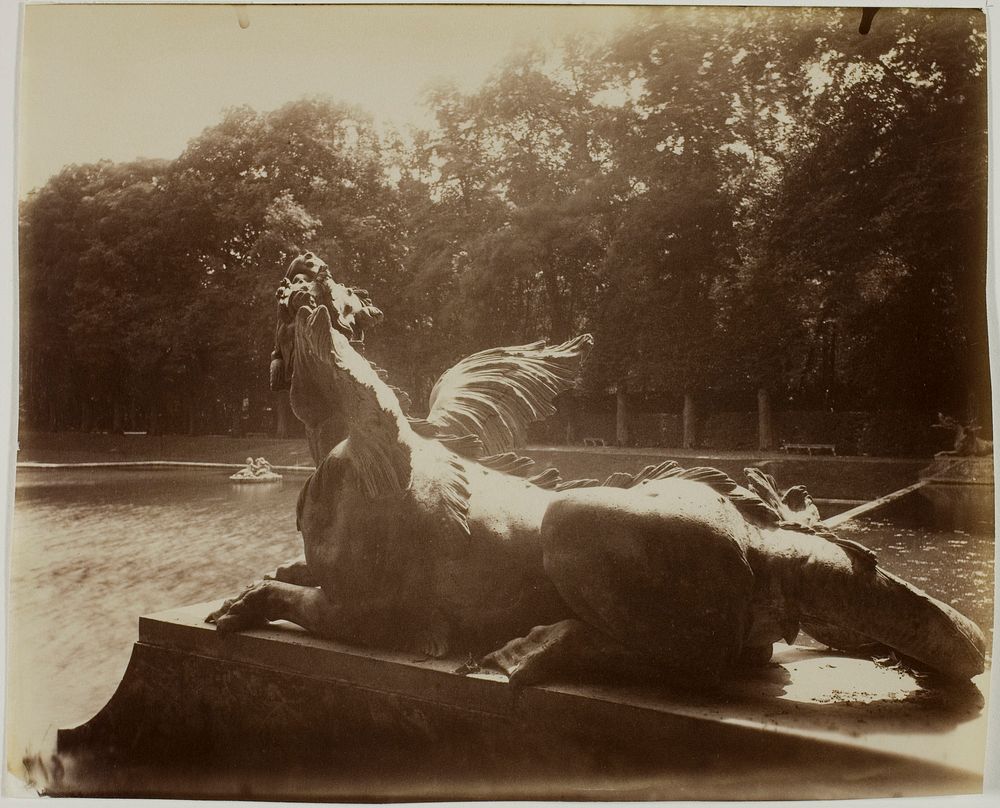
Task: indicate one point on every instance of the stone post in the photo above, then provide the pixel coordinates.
(690, 439)
(765, 421)
(621, 416)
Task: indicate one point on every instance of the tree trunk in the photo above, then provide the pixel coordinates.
(621, 416)
(690, 439)
(85, 415)
(971, 407)
(236, 420)
(191, 410)
(283, 412)
(765, 421)
(117, 417)
(568, 405)
(153, 419)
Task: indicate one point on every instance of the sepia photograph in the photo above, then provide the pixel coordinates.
(500, 402)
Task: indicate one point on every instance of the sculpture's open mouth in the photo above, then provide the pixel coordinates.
(314, 332)
(311, 328)
(324, 363)
(319, 344)
(308, 287)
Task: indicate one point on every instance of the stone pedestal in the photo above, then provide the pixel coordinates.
(278, 714)
(961, 492)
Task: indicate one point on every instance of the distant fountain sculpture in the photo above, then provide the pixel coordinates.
(433, 535)
(959, 483)
(967, 442)
(256, 471)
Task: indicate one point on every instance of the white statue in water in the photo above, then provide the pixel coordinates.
(258, 470)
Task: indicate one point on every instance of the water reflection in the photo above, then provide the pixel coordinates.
(257, 491)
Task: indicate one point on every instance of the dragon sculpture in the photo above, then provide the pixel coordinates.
(432, 535)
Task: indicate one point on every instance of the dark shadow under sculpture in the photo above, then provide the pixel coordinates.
(430, 535)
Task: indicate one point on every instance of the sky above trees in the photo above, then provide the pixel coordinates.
(126, 81)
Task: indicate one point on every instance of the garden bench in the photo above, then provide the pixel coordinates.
(810, 448)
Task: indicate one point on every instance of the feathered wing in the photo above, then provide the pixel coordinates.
(374, 418)
(493, 395)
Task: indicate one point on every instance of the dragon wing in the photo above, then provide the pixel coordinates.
(493, 395)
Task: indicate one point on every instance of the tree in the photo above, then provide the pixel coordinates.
(256, 189)
(877, 231)
(148, 286)
(96, 263)
(734, 201)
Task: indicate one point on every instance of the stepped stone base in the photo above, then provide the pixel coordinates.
(277, 714)
(961, 492)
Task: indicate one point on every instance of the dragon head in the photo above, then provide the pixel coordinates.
(308, 283)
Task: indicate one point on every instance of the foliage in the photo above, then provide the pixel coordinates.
(729, 199)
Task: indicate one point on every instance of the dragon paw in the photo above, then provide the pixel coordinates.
(247, 610)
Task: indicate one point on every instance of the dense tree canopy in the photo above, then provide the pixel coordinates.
(735, 201)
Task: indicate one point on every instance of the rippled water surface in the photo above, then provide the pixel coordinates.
(952, 565)
(94, 549)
